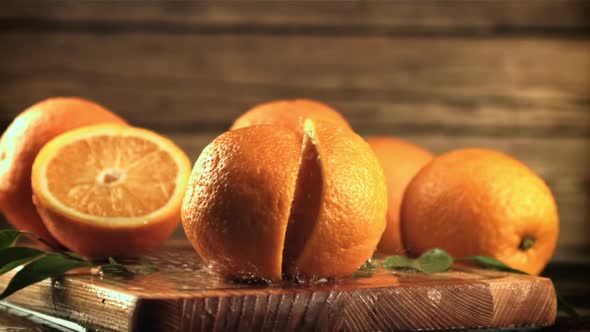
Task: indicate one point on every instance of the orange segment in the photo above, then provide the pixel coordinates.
(110, 177)
(305, 207)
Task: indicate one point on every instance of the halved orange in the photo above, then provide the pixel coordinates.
(110, 190)
(22, 141)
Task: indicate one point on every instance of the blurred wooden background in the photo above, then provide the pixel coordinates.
(508, 75)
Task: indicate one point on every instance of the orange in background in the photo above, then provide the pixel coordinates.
(401, 160)
(21, 142)
(481, 202)
(290, 114)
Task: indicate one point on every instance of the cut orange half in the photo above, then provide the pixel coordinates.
(110, 190)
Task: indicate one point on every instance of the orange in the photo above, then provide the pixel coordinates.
(481, 202)
(21, 142)
(351, 204)
(400, 160)
(110, 190)
(237, 203)
(289, 114)
(263, 203)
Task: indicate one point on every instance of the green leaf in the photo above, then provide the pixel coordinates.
(368, 266)
(397, 262)
(490, 263)
(8, 237)
(49, 266)
(434, 261)
(115, 268)
(74, 255)
(16, 256)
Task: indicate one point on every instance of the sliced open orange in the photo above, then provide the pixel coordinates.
(110, 190)
(265, 202)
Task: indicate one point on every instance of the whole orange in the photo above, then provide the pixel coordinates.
(401, 160)
(289, 113)
(261, 202)
(21, 142)
(481, 202)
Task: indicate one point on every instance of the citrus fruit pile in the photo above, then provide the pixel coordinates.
(74, 173)
(293, 190)
(289, 191)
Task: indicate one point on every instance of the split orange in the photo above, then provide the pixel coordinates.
(110, 190)
(261, 202)
(351, 204)
(237, 203)
(290, 114)
(21, 142)
(401, 160)
(481, 202)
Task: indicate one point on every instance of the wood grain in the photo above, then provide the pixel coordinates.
(317, 17)
(185, 296)
(475, 87)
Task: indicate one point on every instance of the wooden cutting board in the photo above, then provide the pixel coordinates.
(184, 296)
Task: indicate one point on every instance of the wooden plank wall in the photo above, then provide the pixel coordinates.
(507, 75)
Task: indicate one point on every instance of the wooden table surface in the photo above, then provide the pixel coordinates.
(569, 278)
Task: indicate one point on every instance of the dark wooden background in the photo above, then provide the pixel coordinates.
(508, 75)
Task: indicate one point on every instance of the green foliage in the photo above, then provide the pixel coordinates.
(437, 260)
(433, 261)
(38, 265)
